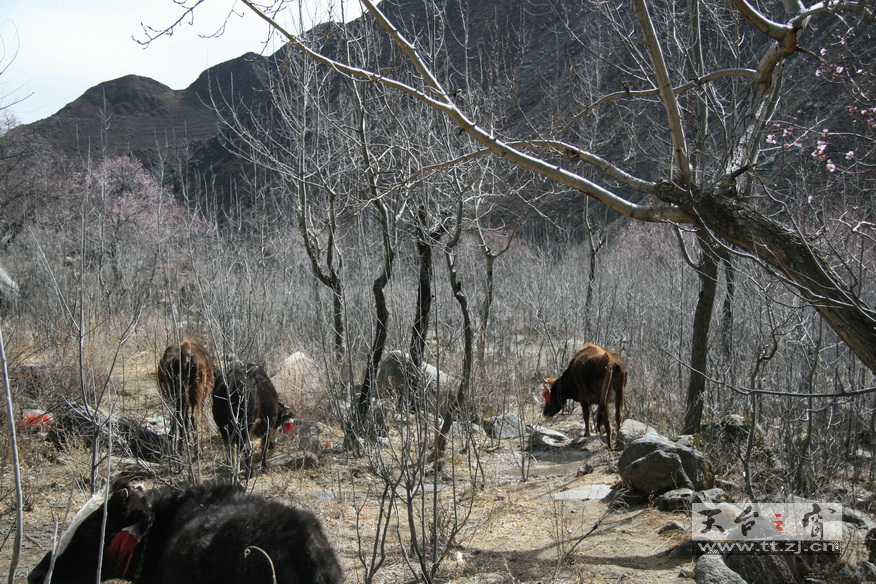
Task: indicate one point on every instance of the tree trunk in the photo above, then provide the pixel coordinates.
(420, 328)
(454, 405)
(699, 352)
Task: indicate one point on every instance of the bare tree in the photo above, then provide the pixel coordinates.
(710, 184)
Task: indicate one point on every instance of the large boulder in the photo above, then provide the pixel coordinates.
(768, 568)
(711, 569)
(299, 385)
(505, 426)
(399, 379)
(654, 464)
(631, 429)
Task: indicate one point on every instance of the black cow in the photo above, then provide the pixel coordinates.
(206, 533)
(246, 407)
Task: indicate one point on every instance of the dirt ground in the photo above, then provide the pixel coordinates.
(546, 528)
(516, 532)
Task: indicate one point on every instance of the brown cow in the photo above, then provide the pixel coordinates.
(185, 380)
(594, 376)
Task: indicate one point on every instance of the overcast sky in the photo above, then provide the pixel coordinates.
(54, 50)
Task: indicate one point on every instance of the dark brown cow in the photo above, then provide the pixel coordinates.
(593, 376)
(246, 407)
(185, 379)
(206, 533)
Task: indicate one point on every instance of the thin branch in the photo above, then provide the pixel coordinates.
(437, 98)
(697, 82)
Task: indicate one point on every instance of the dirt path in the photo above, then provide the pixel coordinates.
(517, 530)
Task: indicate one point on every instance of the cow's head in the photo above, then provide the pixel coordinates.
(128, 518)
(553, 401)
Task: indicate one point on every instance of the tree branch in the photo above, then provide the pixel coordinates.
(667, 95)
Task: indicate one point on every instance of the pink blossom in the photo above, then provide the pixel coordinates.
(823, 52)
(786, 132)
(840, 69)
(830, 165)
(771, 139)
(850, 155)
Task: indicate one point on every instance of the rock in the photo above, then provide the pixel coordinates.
(653, 464)
(138, 439)
(582, 493)
(671, 526)
(299, 384)
(714, 495)
(711, 569)
(631, 429)
(689, 441)
(858, 519)
(397, 376)
(684, 549)
(307, 435)
(870, 544)
(675, 499)
(540, 436)
(767, 568)
(505, 426)
(296, 459)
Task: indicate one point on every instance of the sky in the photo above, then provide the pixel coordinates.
(52, 51)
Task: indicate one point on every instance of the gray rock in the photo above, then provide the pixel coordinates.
(466, 429)
(711, 569)
(397, 378)
(687, 441)
(684, 549)
(715, 495)
(858, 519)
(654, 464)
(767, 569)
(505, 426)
(671, 526)
(541, 436)
(582, 493)
(631, 429)
(675, 499)
(307, 435)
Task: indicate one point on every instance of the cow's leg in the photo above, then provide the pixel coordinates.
(586, 409)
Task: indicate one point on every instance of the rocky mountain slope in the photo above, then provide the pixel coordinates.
(137, 115)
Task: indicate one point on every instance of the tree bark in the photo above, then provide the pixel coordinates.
(699, 352)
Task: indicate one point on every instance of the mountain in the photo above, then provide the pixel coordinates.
(135, 115)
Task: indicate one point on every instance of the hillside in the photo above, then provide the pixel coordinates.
(137, 115)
